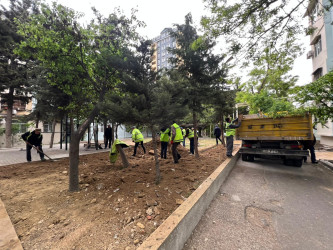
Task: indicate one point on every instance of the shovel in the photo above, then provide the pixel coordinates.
(39, 151)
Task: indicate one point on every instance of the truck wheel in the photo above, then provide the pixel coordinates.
(244, 157)
(250, 158)
(298, 163)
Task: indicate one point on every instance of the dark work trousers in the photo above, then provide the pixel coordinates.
(230, 145)
(29, 152)
(164, 148)
(108, 140)
(192, 145)
(184, 142)
(175, 154)
(136, 146)
(313, 155)
(218, 138)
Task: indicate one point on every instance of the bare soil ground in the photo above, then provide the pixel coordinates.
(115, 209)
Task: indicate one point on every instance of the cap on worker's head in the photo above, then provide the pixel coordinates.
(133, 127)
(38, 129)
(227, 119)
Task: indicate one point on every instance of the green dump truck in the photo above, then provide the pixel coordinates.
(274, 138)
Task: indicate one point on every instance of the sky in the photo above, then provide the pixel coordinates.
(159, 14)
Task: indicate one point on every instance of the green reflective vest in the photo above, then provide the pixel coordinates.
(184, 132)
(137, 135)
(113, 155)
(190, 133)
(179, 134)
(165, 135)
(229, 131)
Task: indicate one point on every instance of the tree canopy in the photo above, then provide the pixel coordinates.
(247, 25)
(317, 97)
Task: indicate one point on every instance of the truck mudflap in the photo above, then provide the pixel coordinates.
(270, 151)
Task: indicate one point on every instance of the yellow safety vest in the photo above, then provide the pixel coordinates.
(190, 133)
(229, 131)
(137, 135)
(179, 134)
(165, 135)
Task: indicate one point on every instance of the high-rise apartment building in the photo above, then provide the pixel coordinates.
(161, 45)
(321, 53)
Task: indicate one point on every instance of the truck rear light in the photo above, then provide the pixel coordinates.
(294, 147)
(247, 145)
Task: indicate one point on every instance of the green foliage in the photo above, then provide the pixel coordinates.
(147, 98)
(264, 102)
(317, 97)
(196, 63)
(255, 22)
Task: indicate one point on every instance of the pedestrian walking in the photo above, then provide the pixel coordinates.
(137, 137)
(230, 129)
(176, 139)
(217, 133)
(164, 138)
(33, 138)
(108, 136)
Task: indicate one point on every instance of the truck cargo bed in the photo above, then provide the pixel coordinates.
(289, 128)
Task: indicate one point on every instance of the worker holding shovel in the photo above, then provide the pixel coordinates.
(34, 140)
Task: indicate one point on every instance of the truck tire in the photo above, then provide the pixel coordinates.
(298, 163)
(250, 158)
(244, 157)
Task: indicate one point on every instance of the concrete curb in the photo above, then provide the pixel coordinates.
(8, 236)
(326, 164)
(177, 228)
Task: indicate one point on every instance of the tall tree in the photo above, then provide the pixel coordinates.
(203, 70)
(148, 99)
(317, 98)
(83, 62)
(13, 71)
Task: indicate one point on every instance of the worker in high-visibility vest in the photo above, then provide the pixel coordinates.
(184, 134)
(176, 139)
(230, 130)
(137, 137)
(190, 136)
(164, 138)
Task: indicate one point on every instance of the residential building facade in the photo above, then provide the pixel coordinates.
(321, 53)
(162, 55)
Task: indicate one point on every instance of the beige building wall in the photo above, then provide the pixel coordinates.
(324, 133)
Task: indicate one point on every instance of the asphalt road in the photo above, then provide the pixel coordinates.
(266, 205)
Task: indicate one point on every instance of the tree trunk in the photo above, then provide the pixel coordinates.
(53, 131)
(74, 162)
(9, 127)
(116, 131)
(123, 156)
(74, 151)
(96, 135)
(112, 132)
(157, 162)
(9, 119)
(195, 125)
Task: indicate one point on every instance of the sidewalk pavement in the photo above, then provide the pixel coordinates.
(17, 155)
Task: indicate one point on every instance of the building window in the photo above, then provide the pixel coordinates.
(317, 74)
(47, 127)
(318, 47)
(19, 128)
